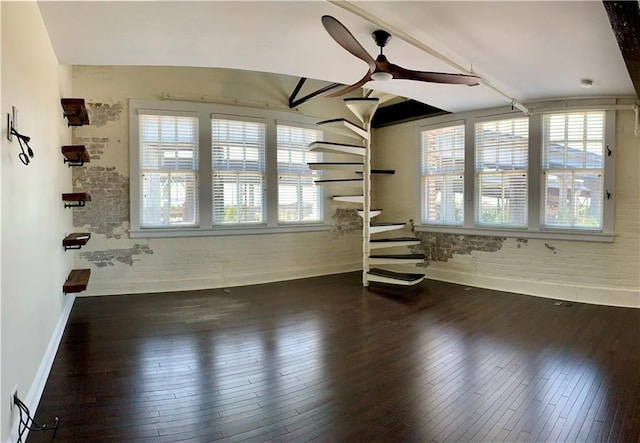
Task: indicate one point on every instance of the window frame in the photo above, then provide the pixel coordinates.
(477, 174)
(142, 171)
(421, 131)
(545, 170)
(314, 174)
(262, 154)
(205, 227)
(535, 228)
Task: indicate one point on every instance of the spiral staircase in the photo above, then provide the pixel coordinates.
(364, 109)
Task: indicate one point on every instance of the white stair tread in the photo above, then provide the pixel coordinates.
(393, 242)
(349, 198)
(381, 259)
(349, 166)
(343, 126)
(384, 227)
(372, 212)
(363, 108)
(336, 180)
(381, 171)
(394, 278)
(342, 148)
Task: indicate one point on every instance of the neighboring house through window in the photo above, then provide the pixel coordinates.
(573, 168)
(238, 163)
(545, 175)
(501, 154)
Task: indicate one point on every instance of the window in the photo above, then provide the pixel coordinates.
(547, 175)
(168, 169)
(238, 170)
(299, 199)
(501, 150)
(213, 169)
(443, 175)
(573, 170)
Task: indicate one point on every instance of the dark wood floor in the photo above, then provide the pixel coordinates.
(324, 359)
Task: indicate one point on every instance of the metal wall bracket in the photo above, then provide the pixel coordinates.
(79, 204)
(71, 163)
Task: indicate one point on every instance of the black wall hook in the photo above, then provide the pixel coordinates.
(25, 157)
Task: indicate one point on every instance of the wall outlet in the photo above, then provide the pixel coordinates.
(14, 394)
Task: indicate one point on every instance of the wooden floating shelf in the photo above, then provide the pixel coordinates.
(76, 240)
(75, 155)
(78, 197)
(77, 281)
(75, 111)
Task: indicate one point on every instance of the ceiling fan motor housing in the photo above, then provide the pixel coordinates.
(381, 37)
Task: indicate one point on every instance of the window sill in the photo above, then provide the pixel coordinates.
(546, 234)
(218, 231)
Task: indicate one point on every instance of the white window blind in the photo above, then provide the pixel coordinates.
(299, 199)
(238, 170)
(501, 149)
(168, 169)
(443, 175)
(573, 170)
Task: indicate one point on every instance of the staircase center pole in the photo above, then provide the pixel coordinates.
(366, 192)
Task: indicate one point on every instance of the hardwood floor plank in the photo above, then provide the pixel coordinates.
(323, 359)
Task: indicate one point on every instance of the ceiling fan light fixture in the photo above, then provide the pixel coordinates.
(381, 76)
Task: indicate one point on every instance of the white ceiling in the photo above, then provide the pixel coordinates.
(529, 50)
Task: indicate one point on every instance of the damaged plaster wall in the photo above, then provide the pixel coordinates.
(346, 221)
(109, 215)
(605, 273)
(442, 247)
(123, 265)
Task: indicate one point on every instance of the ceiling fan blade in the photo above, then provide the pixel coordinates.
(401, 73)
(344, 38)
(353, 87)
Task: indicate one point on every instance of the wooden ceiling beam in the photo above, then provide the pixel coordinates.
(624, 17)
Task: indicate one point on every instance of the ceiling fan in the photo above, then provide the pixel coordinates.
(380, 68)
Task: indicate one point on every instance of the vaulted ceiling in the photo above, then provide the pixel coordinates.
(523, 50)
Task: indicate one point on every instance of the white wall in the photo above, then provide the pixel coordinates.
(123, 265)
(34, 265)
(602, 273)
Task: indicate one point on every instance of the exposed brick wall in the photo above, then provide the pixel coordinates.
(96, 146)
(441, 247)
(121, 264)
(591, 271)
(102, 113)
(108, 211)
(344, 221)
(112, 256)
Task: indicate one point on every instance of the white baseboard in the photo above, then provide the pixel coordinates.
(37, 387)
(627, 298)
(205, 282)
